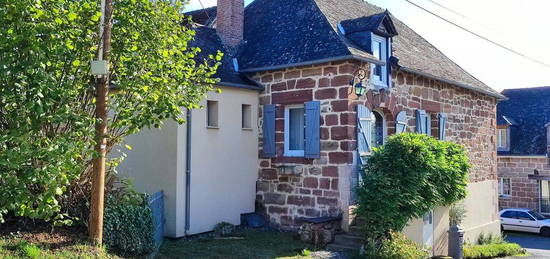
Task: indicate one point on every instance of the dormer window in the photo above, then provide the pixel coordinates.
(379, 73)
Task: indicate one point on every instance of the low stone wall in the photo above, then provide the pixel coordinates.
(525, 192)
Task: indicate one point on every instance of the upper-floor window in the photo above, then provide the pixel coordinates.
(212, 114)
(502, 138)
(294, 130)
(380, 49)
(505, 187)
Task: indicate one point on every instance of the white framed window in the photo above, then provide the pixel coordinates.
(294, 133)
(505, 187)
(502, 138)
(212, 114)
(379, 129)
(246, 116)
(379, 73)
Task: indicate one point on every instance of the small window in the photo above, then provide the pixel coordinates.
(294, 130)
(246, 116)
(502, 134)
(505, 188)
(378, 130)
(212, 114)
(379, 73)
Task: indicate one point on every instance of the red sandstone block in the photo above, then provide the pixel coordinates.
(311, 182)
(330, 171)
(278, 87)
(292, 74)
(324, 183)
(292, 97)
(330, 71)
(327, 93)
(274, 198)
(340, 105)
(342, 133)
(278, 76)
(305, 191)
(343, 80)
(317, 192)
(277, 210)
(331, 120)
(268, 174)
(301, 200)
(348, 118)
(348, 145)
(327, 201)
(331, 194)
(267, 78)
(312, 213)
(312, 72)
(290, 84)
(287, 221)
(334, 184)
(285, 187)
(340, 157)
(305, 83)
(262, 186)
(325, 133)
(264, 163)
(324, 82)
(347, 69)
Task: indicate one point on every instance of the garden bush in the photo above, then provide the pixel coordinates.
(128, 224)
(406, 178)
(397, 246)
(493, 250)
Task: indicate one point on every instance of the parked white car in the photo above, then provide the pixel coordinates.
(524, 220)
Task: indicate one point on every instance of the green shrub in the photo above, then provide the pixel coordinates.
(486, 239)
(406, 178)
(457, 214)
(493, 250)
(397, 246)
(128, 224)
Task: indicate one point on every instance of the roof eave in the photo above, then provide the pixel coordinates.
(242, 86)
(498, 96)
(313, 62)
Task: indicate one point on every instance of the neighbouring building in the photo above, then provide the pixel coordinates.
(523, 139)
(325, 81)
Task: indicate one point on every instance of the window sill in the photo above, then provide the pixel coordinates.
(212, 127)
(505, 196)
(246, 129)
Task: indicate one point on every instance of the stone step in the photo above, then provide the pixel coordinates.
(343, 248)
(357, 221)
(356, 230)
(348, 240)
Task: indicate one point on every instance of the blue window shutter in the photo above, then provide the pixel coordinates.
(269, 149)
(423, 122)
(442, 124)
(401, 122)
(313, 130)
(364, 131)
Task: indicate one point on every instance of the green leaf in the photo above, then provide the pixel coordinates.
(76, 63)
(72, 16)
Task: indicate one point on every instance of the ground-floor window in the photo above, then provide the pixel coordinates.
(294, 130)
(505, 187)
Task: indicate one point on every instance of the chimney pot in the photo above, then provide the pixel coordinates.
(230, 21)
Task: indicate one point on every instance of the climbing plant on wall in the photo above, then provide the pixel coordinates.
(406, 178)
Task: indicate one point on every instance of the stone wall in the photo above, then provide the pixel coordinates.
(525, 191)
(323, 187)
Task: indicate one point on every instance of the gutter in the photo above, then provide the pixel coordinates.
(314, 62)
(188, 172)
(242, 86)
(414, 71)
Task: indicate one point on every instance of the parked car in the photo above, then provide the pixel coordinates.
(524, 220)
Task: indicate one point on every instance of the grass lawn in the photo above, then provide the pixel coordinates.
(247, 244)
(40, 242)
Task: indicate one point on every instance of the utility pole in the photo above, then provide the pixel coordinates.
(102, 92)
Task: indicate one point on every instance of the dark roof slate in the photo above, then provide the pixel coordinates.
(282, 33)
(209, 42)
(528, 111)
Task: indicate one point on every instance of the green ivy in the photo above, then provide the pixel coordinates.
(47, 95)
(128, 226)
(406, 178)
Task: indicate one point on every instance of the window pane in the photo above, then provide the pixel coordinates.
(377, 130)
(507, 214)
(296, 129)
(506, 186)
(212, 113)
(246, 116)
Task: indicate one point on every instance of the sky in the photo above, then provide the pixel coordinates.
(519, 25)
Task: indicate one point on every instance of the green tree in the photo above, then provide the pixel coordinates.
(47, 91)
(406, 178)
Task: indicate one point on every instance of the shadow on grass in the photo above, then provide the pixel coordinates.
(247, 244)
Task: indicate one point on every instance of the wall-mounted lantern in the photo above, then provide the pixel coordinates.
(359, 84)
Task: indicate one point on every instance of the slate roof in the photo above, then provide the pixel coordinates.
(283, 33)
(209, 42)
(528, 111)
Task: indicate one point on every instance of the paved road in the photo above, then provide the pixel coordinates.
(538, 246)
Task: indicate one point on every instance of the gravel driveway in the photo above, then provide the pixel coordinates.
(537, 246)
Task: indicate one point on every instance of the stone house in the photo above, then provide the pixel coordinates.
(523, 142)
(332, 79)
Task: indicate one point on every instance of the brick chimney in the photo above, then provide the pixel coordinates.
(230, 21)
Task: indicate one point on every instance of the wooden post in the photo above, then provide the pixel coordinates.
(98, 178)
